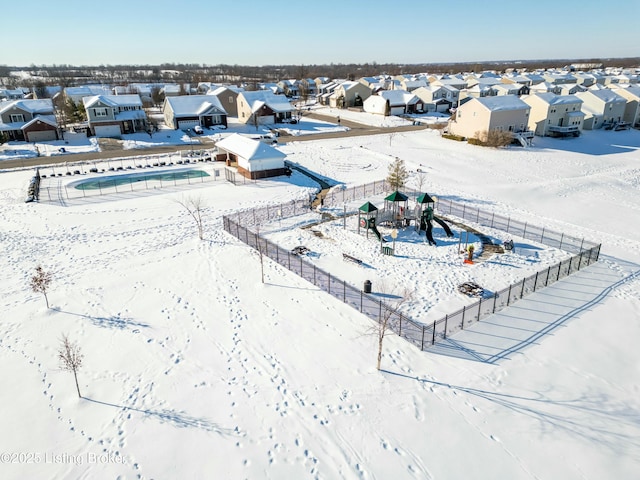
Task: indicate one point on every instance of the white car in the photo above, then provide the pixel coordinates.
(198, 130)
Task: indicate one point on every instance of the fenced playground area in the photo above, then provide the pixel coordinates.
(397, 275)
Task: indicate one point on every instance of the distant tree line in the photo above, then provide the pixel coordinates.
(72, 75)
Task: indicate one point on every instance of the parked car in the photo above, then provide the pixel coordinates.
(198, 130)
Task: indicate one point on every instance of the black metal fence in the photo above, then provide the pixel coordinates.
(421, 334)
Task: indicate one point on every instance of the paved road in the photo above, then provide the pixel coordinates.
(355, 129)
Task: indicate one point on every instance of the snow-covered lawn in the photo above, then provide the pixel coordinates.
(194, 368)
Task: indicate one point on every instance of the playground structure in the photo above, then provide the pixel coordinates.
(397, 214)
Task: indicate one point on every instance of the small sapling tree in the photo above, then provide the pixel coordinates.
(40, 282)
(194, 206)
(70, 358)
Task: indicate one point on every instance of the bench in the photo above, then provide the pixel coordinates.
(349, 258)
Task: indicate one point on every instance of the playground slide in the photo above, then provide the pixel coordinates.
(445, 226)
(377, 232)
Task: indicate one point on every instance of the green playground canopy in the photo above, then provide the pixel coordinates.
(425, 198)
(368, 207)
(397, 197)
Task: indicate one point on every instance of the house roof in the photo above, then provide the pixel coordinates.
(605, 95)
(48, 119)
(42, 106)
(113, 100)
(249, 148)
(553, 99)
(257, 98)
(504, 102)
(398, 97)
(194, 104)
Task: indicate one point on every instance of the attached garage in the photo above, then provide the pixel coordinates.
(266, 119)
(108, 131)
(41, 136)
(186, 124)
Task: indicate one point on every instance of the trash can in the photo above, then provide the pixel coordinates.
(367, 286)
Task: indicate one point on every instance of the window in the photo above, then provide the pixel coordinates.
(230, 99)
(100, 112)
(17, 117)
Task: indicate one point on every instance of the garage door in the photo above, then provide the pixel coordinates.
(108, 131)
(185, 124)
(397, 110)
(41, 136)
(266, 119)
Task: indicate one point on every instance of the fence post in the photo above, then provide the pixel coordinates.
(542, 236)
(422, 342)
(464, 206)
(314, 276)
(493, 214)
(561, 238)
(478, 216)
(433, 337)
(361, 294)
(522, 291)
(329, 283)
(524, 232)
(535, 282)
(464, 309)
(546, 282)
(344, 291)
(495, 300)
(446, 320)
(400, 326)
(479, 308)
(380, 312)
(559, 268)
(509, 295)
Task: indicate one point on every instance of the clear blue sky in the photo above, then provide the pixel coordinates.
(300, 32)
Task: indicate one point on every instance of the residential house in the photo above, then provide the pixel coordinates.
(307, 87)
(187, 111)
(478, 116)
(29, 120)
(228, 97)
(10, 94)
(114, 115)
(555, 115)
(272, 87)
(172, 90)
(435, 98)
(263, 107)
(544, 87)
(517, 89)
(602, 108)
(455, 81)
(349, 94)
(289, 87)
(76, 94)
(632, 109)
(393, 102)
(325, 90)
(558, 77)
(412, 82)
(571, 88)
(253, 158)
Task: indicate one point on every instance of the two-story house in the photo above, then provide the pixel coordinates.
(435, 98)
(479, 116)
(555, 115)
(29, 120)
(115, 115)
(349, 94)
(602, 108)
(632, 109)
(263, 107)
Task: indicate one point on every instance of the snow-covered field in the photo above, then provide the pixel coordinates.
(194, 368)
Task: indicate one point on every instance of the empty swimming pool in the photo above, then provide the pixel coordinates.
(114, 181)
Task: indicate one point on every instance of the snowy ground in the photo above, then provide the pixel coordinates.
(194, 368)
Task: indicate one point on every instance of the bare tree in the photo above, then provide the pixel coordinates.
(388, 321)
(70, 358)
(40, 282)
(420, 179)
(194, 206)
(397, 174)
